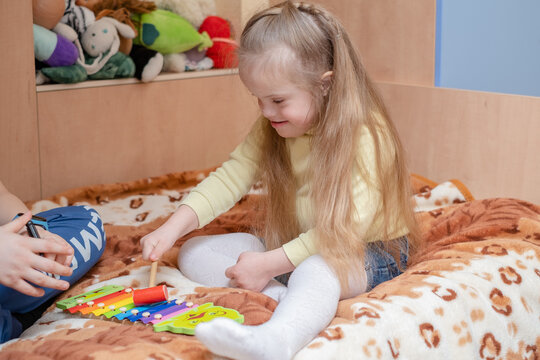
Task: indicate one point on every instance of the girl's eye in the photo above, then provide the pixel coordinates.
(278, 101)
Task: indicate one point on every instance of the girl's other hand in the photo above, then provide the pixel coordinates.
(22, 264)
(252, 271)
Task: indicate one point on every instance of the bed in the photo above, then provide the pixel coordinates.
(471, 290)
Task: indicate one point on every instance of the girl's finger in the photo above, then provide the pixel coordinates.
(69, 260)
(157, 250)
(229, 272)
(51, 257)
(147, 246)
(18, 224)
(62, 259)
(41, 263)
(27, 289)
(44, 281)
(46, 246)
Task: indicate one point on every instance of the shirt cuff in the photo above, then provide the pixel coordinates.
(300, 249)
(201, 206)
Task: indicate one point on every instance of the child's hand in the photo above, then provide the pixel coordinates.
(59, 258)
(252, 271)
(21, 262)
(163, 238)
(157, 243)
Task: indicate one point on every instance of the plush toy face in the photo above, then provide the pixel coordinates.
(98, 38)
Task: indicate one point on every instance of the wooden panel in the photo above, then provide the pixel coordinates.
(238, 12)
(120, 133)
(250, 7)
(395, 39)
(489, 141)
(19, 158)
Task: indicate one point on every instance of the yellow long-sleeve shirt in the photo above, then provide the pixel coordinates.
(226, 186)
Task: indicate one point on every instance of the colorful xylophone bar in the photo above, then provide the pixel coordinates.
(116, 303)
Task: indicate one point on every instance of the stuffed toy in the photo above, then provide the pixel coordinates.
(168, 33)
(197, 60)
(120, 10)
(194, 11)
(190, 60)
(175, 62)
(223, 52)
(47, 13)
(101, 41)
(119, 66)
(77, 17)
(53, 49)
(148, 63)
(132, 6)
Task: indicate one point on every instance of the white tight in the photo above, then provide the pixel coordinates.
(204, 259)
(305, 309)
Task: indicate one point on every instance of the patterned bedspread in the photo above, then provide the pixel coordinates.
(471, 292)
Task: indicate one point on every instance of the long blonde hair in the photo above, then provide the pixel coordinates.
(319, 43)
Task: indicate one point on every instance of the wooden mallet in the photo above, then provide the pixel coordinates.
(153, 272)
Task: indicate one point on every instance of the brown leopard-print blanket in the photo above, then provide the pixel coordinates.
(472, 291)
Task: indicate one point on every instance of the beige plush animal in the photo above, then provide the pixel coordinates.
(101, 40)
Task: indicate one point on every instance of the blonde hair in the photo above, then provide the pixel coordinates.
(320, 44)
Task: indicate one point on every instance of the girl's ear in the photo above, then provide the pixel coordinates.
(326, 81)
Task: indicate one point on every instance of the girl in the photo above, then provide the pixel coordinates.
(338, 205)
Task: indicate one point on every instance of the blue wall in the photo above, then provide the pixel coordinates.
(489, 45)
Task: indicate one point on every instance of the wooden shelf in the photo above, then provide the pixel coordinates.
(115, 82)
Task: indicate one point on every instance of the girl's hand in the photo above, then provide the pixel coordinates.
(254, 270)
(157, 243)
(163, 238)
(59, 258)
(21, 262)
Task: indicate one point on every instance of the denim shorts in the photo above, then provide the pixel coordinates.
(380, 265)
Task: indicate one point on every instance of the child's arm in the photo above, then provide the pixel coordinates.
(254, 270)
(182, 222)
(210, 198)
(10, 205)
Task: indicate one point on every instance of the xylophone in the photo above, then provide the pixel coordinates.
(149, 306)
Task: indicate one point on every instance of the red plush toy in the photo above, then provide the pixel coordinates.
(223, 52)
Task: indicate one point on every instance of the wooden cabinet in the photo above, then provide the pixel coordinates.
(19, 143)
(65, 136)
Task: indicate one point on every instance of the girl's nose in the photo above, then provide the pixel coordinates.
(267, 110)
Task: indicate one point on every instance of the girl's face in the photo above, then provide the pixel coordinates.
(289, 108)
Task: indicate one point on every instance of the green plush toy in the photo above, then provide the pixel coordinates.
(119, 66)
(168, 33)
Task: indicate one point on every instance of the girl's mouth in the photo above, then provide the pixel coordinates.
(277, 123)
